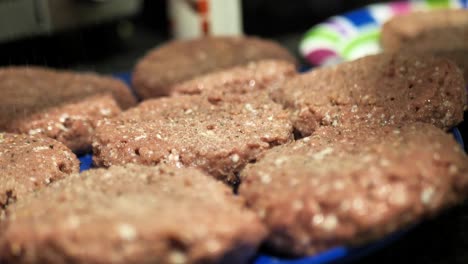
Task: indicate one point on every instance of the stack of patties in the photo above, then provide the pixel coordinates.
(337, 156)
(62, 105)
(164, 213)
(373, 160)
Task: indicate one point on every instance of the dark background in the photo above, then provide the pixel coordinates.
(115, 46)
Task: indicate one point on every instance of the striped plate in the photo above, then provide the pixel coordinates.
(356, 33)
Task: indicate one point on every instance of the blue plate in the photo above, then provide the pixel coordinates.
(340, 254)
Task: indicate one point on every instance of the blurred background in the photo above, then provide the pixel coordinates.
(108, 36)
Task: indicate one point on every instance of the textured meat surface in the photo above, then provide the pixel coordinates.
(29, 163)
(255, 76)
(182, 60)
(380, 89)
(443, 33)
(217, 133)
(437, 29)
(132, 214)
(355, 185)
(34, 97)
(72, 124)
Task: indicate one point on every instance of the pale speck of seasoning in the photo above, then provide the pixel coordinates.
(252, 83)
(436, 156)
(335, 123)
(73, 222)
(61, 127)
(317, 219)
(265, 178)
(188, 111)
(396, 131)
(322, 154)
(384, 162)
(354, 109)
(177, 257)
(261, 213)
(426, 195)
(126, 232)
(140, 137)
(40, 148)
(158, 136)
(330, 222)
(47, 181)
(297, 205)
(105, 111)
(63, 118)
(398, 197)
(280, 161)
(249, 107)
(33, 179)
(213, 245)
(34, 131)
(235, 158)
(270, 118)
(453, 169)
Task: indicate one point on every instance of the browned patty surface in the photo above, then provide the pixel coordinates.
(380, 89)
(255, 76)
(442, 33)
(178, 61)
(217, 133)
(29, 163)
(132, 214)
(352, 186)
(60, 104)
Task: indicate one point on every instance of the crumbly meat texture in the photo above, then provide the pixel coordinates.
(181, 60)
(29, 163)
(352, 186)
(132, 214)
(37, 95)
(380, 89)
(443, 33)
(216, 133)
(72, 124)
(436, 29)
(255, 76)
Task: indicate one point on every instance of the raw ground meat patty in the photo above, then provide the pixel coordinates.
(179, 61)
(59, 104)
(255, 76)
(132, 214)
(29, 163)
(217, 133)
(355, 185)
(443, 33)
(380, 89)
